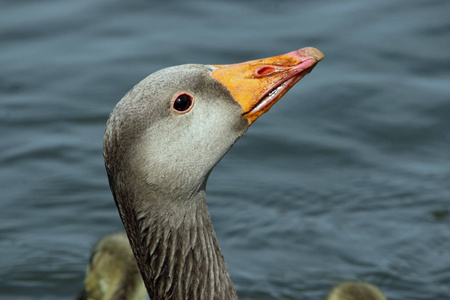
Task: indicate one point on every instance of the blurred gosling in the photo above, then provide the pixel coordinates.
(112, 273)
(352, 290)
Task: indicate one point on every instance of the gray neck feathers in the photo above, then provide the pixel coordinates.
(176, 248)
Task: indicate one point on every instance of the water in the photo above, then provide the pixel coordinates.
(348, 177)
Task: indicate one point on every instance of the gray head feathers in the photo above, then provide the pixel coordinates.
(146, 136)
(158, 161)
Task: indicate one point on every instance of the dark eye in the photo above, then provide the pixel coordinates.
(183, 103)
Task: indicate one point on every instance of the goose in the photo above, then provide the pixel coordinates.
(112, 273)
(355, 290)
(162, 141)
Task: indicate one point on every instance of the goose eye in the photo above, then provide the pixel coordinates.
(183, 103)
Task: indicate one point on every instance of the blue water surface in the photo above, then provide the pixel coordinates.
(346, 178)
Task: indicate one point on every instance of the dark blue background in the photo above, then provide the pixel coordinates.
(347, 177)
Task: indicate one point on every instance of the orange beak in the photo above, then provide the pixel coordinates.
(258, 84)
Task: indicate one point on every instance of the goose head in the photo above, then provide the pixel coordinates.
(162, 141)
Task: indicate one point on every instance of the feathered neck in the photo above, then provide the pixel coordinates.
(176, 247)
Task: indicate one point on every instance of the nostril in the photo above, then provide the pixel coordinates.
(264, 71)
